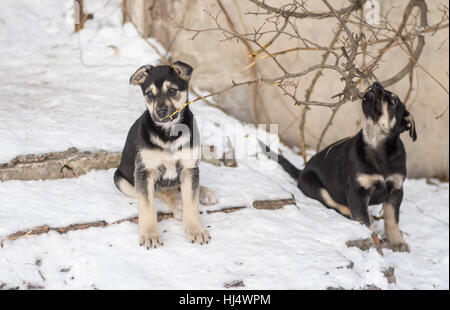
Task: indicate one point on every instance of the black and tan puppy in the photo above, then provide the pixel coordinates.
(161, 155)
(366, 169)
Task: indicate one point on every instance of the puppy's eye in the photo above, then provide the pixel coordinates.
(172, 92)
(150, 95)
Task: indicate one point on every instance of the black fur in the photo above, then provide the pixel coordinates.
(150, 125)
(336, 168)
(139, 138)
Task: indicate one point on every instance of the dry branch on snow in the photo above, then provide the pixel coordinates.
(266, 204)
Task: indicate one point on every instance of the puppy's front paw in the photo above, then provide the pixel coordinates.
(207, 196)
(395, 241)
(197, 234)
(398, 246)
(150, 239)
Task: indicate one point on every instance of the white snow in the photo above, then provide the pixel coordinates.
(49, 101)
(93, 197)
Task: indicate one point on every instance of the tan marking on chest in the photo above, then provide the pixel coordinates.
(186, 157)
(396, 179)
(367, 181)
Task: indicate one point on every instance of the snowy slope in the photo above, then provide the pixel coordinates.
(49, 101)
(298, 247)
(94, 197)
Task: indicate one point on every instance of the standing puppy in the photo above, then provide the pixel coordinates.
(161, 155)
(366, 169)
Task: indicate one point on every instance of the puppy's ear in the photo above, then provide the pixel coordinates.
(183, 70)
(140, 75)
(410, 125)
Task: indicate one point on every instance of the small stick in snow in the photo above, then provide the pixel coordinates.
(226, 210)
(62, 230)
(272, 204)
(261, 204)
(377, 243)
(236, 283)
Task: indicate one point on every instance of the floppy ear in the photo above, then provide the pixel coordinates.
(410, 125)
(140, 75)
(183, 70)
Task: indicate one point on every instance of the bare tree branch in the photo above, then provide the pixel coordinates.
(370, 44)
(357, 5)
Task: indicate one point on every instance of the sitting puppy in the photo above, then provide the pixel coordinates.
(161, 155)
(367, 169)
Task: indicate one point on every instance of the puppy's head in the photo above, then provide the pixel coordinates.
(387, 112)
(165, 88)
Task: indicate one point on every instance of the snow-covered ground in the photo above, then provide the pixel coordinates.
(49, 101)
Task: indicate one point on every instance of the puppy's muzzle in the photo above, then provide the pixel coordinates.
(376, 90)
(376, 86)
(162, 113)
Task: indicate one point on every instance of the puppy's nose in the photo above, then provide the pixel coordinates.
(376, 85)
(162, 113)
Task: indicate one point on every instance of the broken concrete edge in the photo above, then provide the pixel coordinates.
(73, 163)
(56, 165)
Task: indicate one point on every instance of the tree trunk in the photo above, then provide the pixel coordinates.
(149, 17)
(125, 13)
(79, 16)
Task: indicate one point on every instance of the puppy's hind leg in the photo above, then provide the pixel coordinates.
(123, 185)
(344, 210)
(208, 196)
(312, 187)
(358, 202)
(173, 200)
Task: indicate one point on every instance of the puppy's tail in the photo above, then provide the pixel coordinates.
(287, 166)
